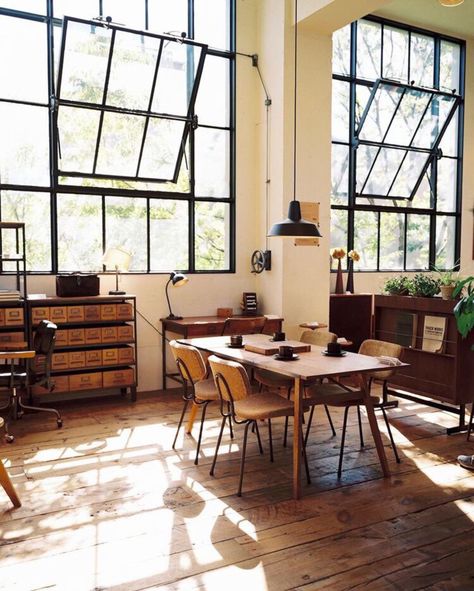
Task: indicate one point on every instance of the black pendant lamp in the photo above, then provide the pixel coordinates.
(295, 225)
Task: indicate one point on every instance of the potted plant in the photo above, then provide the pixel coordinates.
(464, 309)
(423, 285)
(396, 285)
(447, 282)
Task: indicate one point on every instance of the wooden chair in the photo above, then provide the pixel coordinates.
(273, 380)
(239, 403)
(7, 483)
(340, 395)
(198, 388)
(247, 325)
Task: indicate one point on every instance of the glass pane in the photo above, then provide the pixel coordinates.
(212, 235)
(87, 9)
(449, 143)
(212, 103)
(450, 64)
(175, 78)
(168, 16)
(162, 144)
(168, 235)
(341, 49)
(339, 174)
(24, 144)
(392, 231)
(395, 54)
(132, 71)
(409, 114)
(418, 230)
(381, 175)
(126, 13)
(365, 238)
(33, 6)
(422, 60)
(447, 178)
(368, 49)
(85, 62)
(362, 98)
(212, 22)
(340, 110)
(445, 242)
(77, 136)
(24, 64)
(380, 113)
(34, 210)
(120, 144)
(409, 174)
(338, 230)
(212, 162)
(79, 233)
(433, 121)
(125, 227)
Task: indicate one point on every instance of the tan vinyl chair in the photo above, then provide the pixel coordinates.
(340, 395)
(273, 380)
(6, 482)
(239, 404)
(247, 325)
(198, 388)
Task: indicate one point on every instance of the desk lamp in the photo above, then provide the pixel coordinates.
(176, 279)
(120, 260)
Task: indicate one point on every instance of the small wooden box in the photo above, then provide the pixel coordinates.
(124, 312)
(14, 316)
(126, 355)
(39, 314)
(108, 312)
(93, 336)
(58, 314)
(109, 356)
(85, 381)
(76, 336)
(92, 313)
(62, 338)
(118, 377)
(2, 317)
(93, 358)
(125, 333)
(11, 337)
(77, 359)
(75, 313)
(61, 384)
(109, 334)
(60, 361)
(224, 312)
(271, 348)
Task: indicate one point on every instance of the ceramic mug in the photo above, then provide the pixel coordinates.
(285, 351)
(236, 340)
(334, 348)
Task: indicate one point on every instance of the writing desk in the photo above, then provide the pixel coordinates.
(309, 366)
(200, 326)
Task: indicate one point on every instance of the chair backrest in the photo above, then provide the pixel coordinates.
(376, 348)
(231, 379)
(318, 337)
(250, 325)
(190, 363)
(43, 344)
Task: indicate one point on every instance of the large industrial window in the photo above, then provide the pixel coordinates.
(119, 133)
(397, 146)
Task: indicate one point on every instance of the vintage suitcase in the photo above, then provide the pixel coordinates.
(77, 284)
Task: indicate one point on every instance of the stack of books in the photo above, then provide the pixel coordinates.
(9, 295)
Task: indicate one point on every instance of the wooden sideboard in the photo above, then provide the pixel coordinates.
(350, 316)
(445, 378)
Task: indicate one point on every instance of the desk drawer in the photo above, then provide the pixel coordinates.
(203, 330)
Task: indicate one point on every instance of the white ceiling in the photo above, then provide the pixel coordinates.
(457, 21)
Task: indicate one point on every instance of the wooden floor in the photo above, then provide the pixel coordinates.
(107, 504)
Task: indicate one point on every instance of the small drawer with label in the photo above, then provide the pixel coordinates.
(61, 338)
(125, 333)
(75, 313)
(118, 377)
(39, 314)
(2, 317)
(124, 312)
(108, 312)
(85, 381)
(59, 384)
(11, 337)
(92, 313)
(77, 359)
(60, 361)
(93, 358)
(58, 314)
(14, 316)
(76, 336)
(109, 334)
(109, 356)
(126, 355)
(93, 336)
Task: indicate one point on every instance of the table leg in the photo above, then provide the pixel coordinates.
(374, 427)
(163, 356)
(297, 438)
(192, 416)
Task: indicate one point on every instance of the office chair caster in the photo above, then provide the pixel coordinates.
(60, 423)
(9, 438)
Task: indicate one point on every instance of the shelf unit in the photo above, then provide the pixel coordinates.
(95, 346)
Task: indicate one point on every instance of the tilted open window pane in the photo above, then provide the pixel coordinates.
(398, 137)
(143, 86)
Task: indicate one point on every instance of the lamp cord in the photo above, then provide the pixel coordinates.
(152, 325)
(295, 97)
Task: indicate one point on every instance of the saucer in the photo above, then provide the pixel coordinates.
(277, 340)
(279, 358)
(341, 354)
(231, 346)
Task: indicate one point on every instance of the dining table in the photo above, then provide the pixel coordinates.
(304, 367)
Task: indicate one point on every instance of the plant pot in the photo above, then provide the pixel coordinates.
(447, 291)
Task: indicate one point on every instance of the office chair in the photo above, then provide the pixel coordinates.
(18, 376)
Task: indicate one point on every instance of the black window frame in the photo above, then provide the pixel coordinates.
(352, 144)
(54, 188)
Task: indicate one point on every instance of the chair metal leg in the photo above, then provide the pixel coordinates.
(242, 459)
(8, 486)
(211, 472)
(343, 438)
(469, 429)
(270, 442)
(285, 433)
(260, 447)
(305, 459)
(231, 430)
(310, 420)
(183, 412)
(389, 430)
(330, 420)
(361, 434)
(198, 448)
(23, 406)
